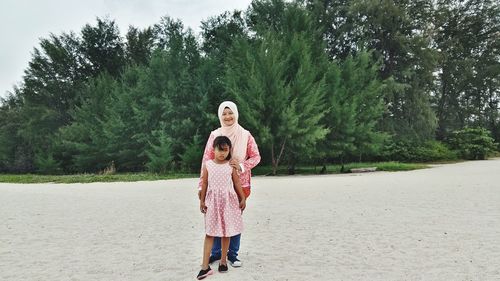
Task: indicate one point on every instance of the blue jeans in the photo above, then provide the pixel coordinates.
(234, 246)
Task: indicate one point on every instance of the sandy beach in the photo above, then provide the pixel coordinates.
(441, 223)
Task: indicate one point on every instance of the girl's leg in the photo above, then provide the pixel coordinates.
(207, 247)
(225, 247)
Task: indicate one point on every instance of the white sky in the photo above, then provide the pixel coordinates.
(23, 23)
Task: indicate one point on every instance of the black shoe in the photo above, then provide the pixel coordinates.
(212, 259)
(222, 268)
(234, 261)
(204, 273)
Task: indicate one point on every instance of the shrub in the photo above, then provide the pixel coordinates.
(433, 151)
(191, 158)
(46, 164)
(406, 151)
(160, 157)
(472, 143)
(396, 151)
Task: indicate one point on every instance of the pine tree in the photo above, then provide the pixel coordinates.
(84, 139)
(139, 45)
(102, 49)
(159, 153)
(12, 146)
(467, 88)
(399, 34)
(281, 95)
(356, 100)
(219, 34)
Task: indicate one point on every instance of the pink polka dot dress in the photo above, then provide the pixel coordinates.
(223, 216)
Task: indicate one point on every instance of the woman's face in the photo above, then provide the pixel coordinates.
(228, 117)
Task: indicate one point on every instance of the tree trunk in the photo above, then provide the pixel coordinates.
(274, 161)
(323, 169)
(342, 169)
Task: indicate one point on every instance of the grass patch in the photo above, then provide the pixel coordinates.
(259, 170)
(397, 166)
(87, 178)
(335, 169)
(494, 154)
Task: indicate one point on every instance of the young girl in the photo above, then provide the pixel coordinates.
(219, 202)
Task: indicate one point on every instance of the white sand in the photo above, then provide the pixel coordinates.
(434, 224)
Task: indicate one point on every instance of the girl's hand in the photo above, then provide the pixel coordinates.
(243, 204)
(235, 164)
(203, 207)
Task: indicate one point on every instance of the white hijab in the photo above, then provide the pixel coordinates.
(237, 134)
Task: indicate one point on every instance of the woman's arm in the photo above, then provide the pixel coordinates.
(252, 153)
(238, 189)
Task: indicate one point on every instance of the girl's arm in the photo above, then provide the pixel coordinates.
(238, 189)
(203, 192)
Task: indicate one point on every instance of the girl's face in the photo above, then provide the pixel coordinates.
(228, 117)
(221, 154)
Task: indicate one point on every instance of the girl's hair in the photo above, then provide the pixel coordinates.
(220, 142)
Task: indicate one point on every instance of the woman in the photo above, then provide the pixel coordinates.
(245, 156)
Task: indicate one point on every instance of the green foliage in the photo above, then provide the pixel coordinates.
(397, 33)
(338, 26)
(85, 137)
(53, 84)
(356, 102)
(219, 34)
(54, 77)
(469, 69)
(429, 151)
(9, 124)
(398, 151)
(345, 168)
(314, 80)
(87, 178)
(168, 95)
(280, 89)
(473, 143)
(139, 45)
(46, 164)
(193, 153)
(433, 151)
(49, 92)
(102, 49)
(160, 156)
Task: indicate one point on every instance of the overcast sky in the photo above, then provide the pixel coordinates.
(23, 23)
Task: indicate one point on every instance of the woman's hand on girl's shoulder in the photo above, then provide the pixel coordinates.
(235, 164)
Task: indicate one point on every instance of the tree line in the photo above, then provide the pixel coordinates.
(316, 82)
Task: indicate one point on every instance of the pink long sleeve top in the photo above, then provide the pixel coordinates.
(252, 159)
